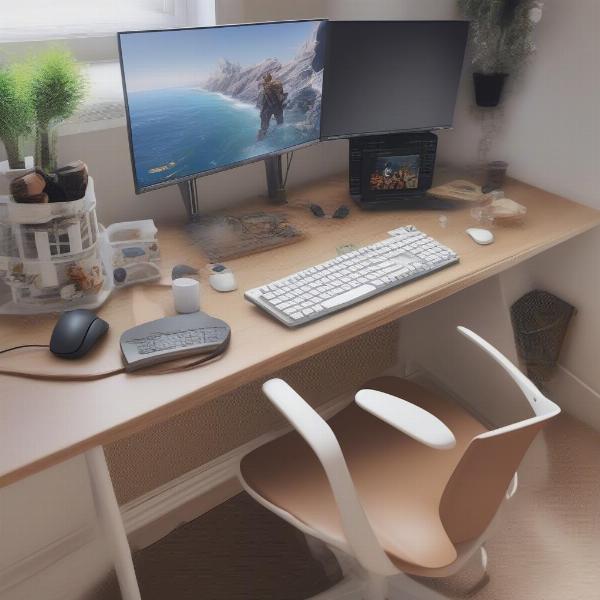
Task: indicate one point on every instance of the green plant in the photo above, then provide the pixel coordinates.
(501, 32)
(57, 88)
(16, 112)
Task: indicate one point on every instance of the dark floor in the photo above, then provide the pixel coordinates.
(196, 561)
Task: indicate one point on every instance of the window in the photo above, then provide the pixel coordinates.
(88, 28)
(29, 247)
(59, 242)
(28, 20)
(86, 241)
(93, 225)
(8, 243)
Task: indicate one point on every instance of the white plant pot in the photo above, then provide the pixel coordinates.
(7, 174)
(56, 292)
(10, 174)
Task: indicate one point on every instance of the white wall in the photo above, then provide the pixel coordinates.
(550, 135)
(49, 546)
(246, 11)
(548, 129)
(391, 9)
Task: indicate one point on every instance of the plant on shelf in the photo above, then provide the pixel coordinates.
(501, 42)
(16, 112)
(58, 87)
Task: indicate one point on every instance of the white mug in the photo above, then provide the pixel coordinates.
(186, 295)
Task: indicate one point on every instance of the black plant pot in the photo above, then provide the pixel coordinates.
(488, 88)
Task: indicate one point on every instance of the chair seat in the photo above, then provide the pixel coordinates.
(399, 481)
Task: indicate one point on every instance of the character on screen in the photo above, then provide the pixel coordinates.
(271, 102)
(396, 173)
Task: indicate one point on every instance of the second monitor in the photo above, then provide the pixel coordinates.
(391, 76)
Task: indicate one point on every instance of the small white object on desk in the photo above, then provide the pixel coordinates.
(222, 279)
(186, 295)
(483, 237)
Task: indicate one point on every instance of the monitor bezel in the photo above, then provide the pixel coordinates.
(143, 189)
(443, 127)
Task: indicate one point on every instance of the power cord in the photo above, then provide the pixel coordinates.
(24, 346)
(289, 157)
(195, 362)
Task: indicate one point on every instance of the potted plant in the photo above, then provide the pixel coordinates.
(16, 113)
(57, 88)
(501, 41)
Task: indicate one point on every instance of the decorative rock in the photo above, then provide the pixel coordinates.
(73, 179)
(37, 199)
(54, 191)
(30, 184)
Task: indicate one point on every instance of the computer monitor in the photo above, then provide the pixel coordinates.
(202, 100)
(391, 76)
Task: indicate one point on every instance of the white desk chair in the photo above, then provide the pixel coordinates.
(405, 481)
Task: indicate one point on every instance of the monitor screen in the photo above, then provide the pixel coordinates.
(205, 99)
(391, 76)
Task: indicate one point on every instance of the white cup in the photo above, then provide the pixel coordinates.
(186, 295)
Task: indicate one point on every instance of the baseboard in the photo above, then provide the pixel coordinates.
(575, 397)
(43, 558)
(155, 514)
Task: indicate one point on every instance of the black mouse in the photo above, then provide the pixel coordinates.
(76, 332)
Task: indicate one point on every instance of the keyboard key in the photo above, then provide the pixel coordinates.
(348, 296)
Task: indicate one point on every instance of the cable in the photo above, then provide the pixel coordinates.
(196, 362)
(289, 156)
(24, 346)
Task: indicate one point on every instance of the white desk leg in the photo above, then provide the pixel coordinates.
(111, 523)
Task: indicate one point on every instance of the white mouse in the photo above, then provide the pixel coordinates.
(222, 279)
(480, 236)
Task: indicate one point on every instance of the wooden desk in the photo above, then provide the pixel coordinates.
(45, 422)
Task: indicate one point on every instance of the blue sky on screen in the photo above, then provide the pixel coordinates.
(163, 59)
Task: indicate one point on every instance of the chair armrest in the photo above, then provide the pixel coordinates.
(320, 437)
(408, 418)
(541, 406)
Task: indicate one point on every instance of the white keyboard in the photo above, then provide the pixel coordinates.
(352, 277)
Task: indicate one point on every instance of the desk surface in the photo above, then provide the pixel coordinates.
(45, 422)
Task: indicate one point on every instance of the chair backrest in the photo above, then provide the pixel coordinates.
(476, 488)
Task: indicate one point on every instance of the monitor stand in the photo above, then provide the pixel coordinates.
(275, 188)
(189, 194)
(275, 184)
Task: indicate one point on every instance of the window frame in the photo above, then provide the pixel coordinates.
(102, 46)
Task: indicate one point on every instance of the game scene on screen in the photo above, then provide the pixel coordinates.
(203, 99)
(396, 173)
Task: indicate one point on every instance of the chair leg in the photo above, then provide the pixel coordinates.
(376, 587)
(329, 560)
(483, 555)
